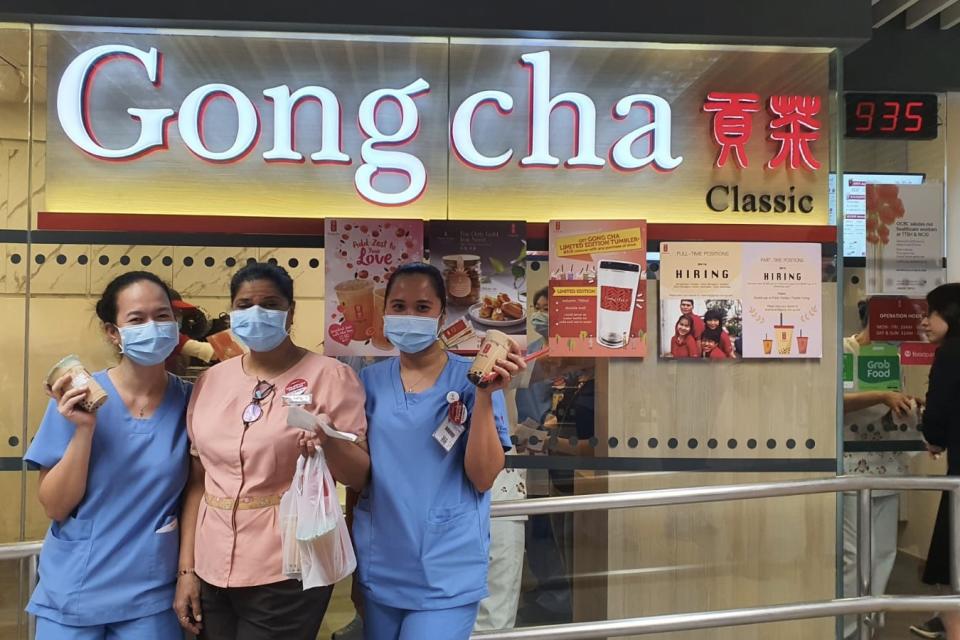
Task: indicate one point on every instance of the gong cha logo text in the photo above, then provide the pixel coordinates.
(381, 151)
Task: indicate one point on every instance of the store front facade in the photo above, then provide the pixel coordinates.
(189, 153)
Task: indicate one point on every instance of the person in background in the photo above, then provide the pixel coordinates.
(539, 317)
(111, 481)
(941, 427)
(686, 309)
(534, 400)
(863, 412)
(192, 325)
(437, 442)
(231, 585)
(353, 630)
(710, 341)
(683, 344)
(713, 320)
(507, 535)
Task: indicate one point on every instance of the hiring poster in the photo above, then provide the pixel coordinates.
(484, 269)
(598, 288)
(701, 283)
(723, 301)
(359, 256)
(905, 238)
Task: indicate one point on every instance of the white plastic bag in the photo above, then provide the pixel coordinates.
(288, 526)
(318, 508)
(329, 559)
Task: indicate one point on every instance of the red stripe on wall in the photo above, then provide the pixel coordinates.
(135, 222)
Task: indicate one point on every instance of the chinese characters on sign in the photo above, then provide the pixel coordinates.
(793, 126)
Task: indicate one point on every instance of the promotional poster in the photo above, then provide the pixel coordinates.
(724, 301)
(905, 238)
(598, 288)
(359, 256)
(484, 270)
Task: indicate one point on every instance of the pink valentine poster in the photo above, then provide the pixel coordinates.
(360, 255)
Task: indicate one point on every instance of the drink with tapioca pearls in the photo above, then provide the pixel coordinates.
(80, 378)
(495, 346)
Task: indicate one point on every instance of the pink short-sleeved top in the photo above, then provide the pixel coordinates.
(241, 547)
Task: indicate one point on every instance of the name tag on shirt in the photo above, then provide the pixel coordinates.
(448, 433)
(297, 399)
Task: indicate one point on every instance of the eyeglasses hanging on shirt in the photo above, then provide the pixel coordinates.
(253, 411)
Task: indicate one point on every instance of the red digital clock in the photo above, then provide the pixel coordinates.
(894, 116)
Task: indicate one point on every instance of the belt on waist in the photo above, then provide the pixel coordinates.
(251, 502)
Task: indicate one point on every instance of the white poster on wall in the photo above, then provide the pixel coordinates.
(905, 239)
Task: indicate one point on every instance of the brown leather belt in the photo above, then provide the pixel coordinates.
(252, 502)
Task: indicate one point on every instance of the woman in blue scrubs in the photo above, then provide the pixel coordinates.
(111, 481)
(437, 442)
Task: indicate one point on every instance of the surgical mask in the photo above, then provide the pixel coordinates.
(150, 343)
(540, 321)
(258, 328)
(411, 334)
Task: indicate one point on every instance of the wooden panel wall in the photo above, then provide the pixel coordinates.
(705, 557)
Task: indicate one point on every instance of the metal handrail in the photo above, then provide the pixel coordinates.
(28, 552)
(20, 550)
(719, 493)
(864, 606)
(727, 618)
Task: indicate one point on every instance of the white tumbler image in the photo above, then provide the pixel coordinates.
(616, 298)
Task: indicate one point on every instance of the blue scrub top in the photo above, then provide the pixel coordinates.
(115, 558)
(421, 529)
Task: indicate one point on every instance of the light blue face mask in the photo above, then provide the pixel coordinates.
(540, 321)
(258, 328)
(411, 334)
(150, 343)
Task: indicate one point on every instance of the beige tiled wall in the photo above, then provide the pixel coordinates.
(65, 282)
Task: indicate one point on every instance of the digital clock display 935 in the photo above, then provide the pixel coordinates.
(895, 116)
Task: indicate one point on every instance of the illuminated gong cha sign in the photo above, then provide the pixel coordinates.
(381, 151)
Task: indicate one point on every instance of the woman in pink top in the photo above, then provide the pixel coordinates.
(244, 459)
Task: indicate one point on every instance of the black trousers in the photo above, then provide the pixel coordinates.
(279, 611)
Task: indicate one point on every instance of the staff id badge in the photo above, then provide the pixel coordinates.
(452, 427)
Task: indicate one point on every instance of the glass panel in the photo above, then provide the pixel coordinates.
(902, 523)
(14, 256)
(601, 565)
(587, 426)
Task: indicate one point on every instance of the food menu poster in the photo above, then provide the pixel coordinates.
(725, 301)
(598, 288)
(484, 270)
(359, 256)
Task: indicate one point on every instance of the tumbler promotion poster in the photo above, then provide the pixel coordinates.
(751, 300)
(598, 288)
(359, 256)
(484, 269)
(905, 239)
